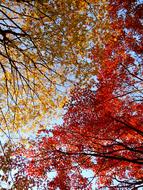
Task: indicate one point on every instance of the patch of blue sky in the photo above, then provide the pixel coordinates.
(90, 175)
(139, 2)
(7, 183)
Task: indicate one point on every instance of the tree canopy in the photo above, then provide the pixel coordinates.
(42, 53)
(82, 59)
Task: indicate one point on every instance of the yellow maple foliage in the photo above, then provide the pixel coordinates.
(44, 48)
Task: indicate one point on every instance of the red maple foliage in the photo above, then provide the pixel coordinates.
(102, 128)
(100, 132)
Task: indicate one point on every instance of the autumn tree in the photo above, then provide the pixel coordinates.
(9, 165)
(102, 126)
(44, 47)
(42, 53)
